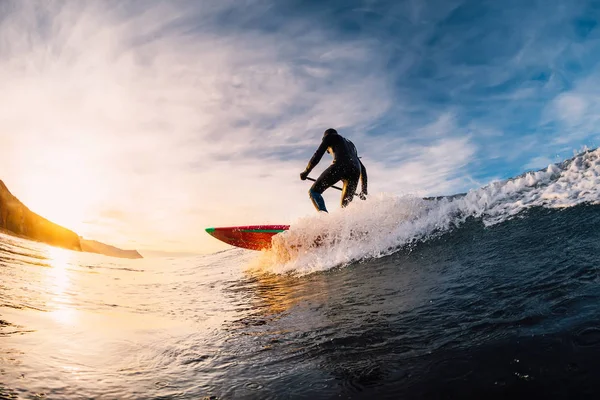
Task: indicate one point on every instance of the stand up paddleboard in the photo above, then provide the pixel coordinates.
(254, 237)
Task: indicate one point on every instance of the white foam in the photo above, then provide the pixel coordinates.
(384, 223)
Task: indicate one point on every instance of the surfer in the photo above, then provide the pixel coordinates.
(346, 167)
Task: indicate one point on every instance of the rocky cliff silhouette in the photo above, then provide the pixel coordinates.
(18, 220)
(93, 246)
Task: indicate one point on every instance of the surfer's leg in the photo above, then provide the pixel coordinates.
(317, 200)
(327, 179)
(348, 191)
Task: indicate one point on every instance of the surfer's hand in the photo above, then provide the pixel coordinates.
(362, 195)
(303, 175)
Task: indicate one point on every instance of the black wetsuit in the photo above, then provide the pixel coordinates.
(346, 167)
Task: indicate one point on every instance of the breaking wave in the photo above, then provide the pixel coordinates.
(385, 223)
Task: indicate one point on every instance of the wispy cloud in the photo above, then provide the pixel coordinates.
(166, 121)
(180, 115)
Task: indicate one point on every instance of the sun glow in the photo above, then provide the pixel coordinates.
(62, 189)
(115, 128)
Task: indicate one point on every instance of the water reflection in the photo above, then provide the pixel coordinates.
(274, 295)
(58, 283)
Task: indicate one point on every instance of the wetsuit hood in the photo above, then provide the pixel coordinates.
(330, 131)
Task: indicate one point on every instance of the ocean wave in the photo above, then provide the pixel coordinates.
(386, 223)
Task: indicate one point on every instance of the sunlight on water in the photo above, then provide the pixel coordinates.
(59, 260)
(59, 282)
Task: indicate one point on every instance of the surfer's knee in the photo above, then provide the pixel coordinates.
(314, 191)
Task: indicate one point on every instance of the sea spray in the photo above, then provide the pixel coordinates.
(386, 223)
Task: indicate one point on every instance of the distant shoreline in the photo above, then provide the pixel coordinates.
(19, 221)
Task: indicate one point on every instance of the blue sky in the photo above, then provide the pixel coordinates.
(509, 76)
(141, 122)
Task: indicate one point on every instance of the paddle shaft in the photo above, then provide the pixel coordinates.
(335, 187)
(314, 180)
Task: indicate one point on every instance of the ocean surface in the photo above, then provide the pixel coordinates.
(491, 294)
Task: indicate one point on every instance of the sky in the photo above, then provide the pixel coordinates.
(140, 123)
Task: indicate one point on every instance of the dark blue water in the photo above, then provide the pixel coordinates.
(505, 311)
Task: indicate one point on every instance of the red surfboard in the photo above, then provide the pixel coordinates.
(253, 237)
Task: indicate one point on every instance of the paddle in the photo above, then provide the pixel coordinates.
(335, 187)
(314, 180)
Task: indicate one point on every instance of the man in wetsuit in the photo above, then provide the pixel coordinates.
(346, 167)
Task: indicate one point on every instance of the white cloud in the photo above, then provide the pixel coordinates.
(570, 107)
(176, 125)
(577, 114)
(438, 168)
(538, 163)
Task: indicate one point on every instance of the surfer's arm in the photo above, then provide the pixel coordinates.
(363, 178)
(318, 155)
